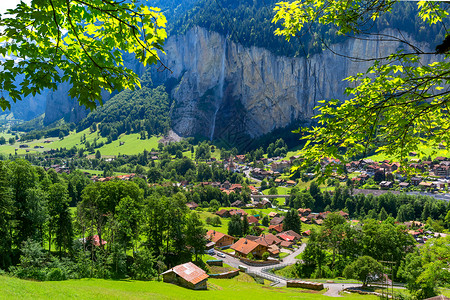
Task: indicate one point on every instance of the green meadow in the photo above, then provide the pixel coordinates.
(241, 287)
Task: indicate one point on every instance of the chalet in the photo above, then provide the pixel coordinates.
(187, 275)
(252, 220)
(268, 239)
(236, 187)
(278, 228)
(221, 239)
(403, 185)
(279, 181)
(441, 170)
(273, 214)
(294, 157)
(426, 185)
(323, 215)
(286, 237)
(266, 203)
(192, 205)
(395, 166)
(318, 221)
(304, 211)
(290, 183)
(343, 214)
(306, 233)
(223, 213)
(416, 180)
(286, 244)
(292, 233)
(412, 153)
(239, 212)
(244, 247)
(280, 166)
(226, 185)
(237, 203)
(274, 250)
(440, 158)
(277, 220)
(386, 185)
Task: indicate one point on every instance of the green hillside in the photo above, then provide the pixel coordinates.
(240, 287)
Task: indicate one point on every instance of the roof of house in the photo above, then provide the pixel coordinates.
(189, 272)
(273, 214)
(268, 239)
(192, 204)
(222, 212)
(252, 220)
(244, 246)
(274, 249)
(292, 233)
(215, 236)
(277, 220)
(286, 237)
(277, 228)
(440, 297)
(285, 244)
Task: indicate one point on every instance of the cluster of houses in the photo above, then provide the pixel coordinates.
(58, 169)
(438, 169)
(254, 245)
(95, 178)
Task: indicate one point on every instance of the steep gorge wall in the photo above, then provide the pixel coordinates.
(226, 90)
(223, 90)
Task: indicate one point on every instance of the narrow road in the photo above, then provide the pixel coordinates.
(333, 289)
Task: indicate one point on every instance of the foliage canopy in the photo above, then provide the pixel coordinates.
(81, 42)
(397, 105)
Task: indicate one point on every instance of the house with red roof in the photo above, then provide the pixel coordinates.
(244, 247)
(219, 238)
(277, 228)
(187, 275)
(252, 220)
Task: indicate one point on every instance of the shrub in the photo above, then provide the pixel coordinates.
(56, 274)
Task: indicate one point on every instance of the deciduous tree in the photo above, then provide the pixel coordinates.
(77, 41)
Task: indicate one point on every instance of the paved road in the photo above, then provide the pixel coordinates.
(333, 288)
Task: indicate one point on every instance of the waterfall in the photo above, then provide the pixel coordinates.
(219, 98)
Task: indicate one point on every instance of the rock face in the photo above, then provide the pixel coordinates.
(224, 90)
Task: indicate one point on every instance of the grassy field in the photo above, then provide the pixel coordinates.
(242, 286)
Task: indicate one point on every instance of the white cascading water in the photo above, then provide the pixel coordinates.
(220, 88)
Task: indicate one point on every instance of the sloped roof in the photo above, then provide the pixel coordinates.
(292, 233)
(268, 239)
(277, 220)
(244, 246)
(215, 236)
(189, 272)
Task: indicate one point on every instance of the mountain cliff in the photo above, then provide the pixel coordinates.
(224, 90)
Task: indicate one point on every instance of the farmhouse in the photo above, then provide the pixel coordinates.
(187, 275)
(221, 239)
(244, 247)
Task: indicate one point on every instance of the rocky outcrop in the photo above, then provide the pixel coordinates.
(224, 89)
